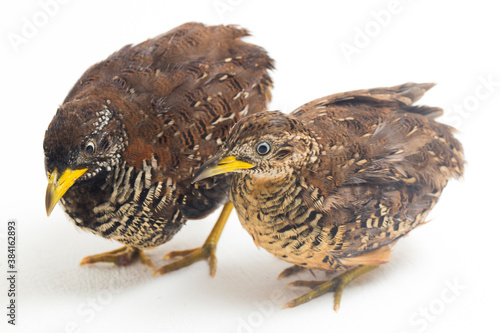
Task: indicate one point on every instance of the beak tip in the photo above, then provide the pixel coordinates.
(48, 205)
(58, 185)
(197, 177)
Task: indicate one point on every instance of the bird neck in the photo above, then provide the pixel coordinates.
(258, 192)
(263, 205)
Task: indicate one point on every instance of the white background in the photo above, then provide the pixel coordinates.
(452, 43)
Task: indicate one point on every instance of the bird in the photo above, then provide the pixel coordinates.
(122, 149)
(333, 185)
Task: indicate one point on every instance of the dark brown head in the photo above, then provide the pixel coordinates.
(83, 143)
(266, 144)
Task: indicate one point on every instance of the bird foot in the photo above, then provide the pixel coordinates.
(207, 251)
(188, 257)
(120, 257)
(293, 270)
(335, 285)
(308, 284)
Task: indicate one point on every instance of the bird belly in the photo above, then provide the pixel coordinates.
(279, 222)
(333, 240)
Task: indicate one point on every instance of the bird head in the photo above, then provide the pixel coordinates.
(82, 144)
(267, 144)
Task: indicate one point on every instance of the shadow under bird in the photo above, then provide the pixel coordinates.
(122, 149)
(333, 185)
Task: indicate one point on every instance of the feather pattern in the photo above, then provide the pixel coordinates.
(346, 177)
(155, 111)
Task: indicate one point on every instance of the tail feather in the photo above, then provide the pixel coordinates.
(377, 257)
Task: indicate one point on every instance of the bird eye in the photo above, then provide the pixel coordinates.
(90, 148)
(263, 148)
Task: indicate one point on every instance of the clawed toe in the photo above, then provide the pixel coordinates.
(335, 285)
(121, 257)
(303, 283)
(291, 271)
(207, 251)
(188, 257)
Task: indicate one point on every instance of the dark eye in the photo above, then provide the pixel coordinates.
(263, 148)
(90, 148)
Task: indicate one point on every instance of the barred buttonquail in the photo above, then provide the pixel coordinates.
(121, 151)
(336, 183)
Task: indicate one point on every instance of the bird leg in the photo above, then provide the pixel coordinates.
(120, 257)
(308, 284)
(336, 285)
(295, 269)
(206, 251)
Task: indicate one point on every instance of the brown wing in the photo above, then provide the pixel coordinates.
(191, 83)
(377, 135)
(179, 94)
(383, 166)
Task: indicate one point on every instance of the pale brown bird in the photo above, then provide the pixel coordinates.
(122, 149)
(336, 183)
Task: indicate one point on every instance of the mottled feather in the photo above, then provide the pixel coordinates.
(156, 110)
(346, 177)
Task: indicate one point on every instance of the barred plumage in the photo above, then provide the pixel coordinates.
(136, 126)
(345, 177)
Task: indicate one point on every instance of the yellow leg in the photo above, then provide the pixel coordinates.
(336, 285)
(207, 251)
(120, 257)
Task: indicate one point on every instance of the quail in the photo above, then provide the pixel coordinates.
(333, 185)
(122, 149)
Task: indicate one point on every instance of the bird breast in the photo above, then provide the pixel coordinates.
(130, 208)
(276, 216)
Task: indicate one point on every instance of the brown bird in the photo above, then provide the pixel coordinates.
(122, 149)
(336, 183)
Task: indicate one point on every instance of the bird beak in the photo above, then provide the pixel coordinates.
(215, 166)
(59, 185)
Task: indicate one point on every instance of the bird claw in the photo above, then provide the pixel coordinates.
(308, 284)
(122, 256)
(291, 271)
(318, 288)
(295, 269)
(177, 254)
(207, 251)
(335, 285)
(188, 257)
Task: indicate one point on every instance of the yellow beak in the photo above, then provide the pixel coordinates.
(214, 167)
(59, 185)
